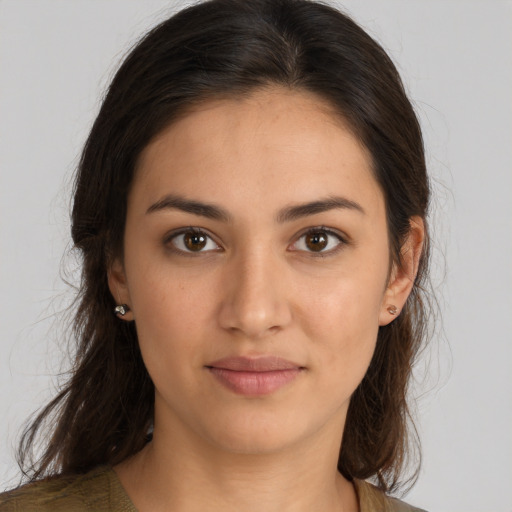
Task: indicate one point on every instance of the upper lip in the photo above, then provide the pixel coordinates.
(254, 364)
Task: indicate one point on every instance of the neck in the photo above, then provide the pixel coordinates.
(184, 475)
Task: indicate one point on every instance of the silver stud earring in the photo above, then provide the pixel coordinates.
(121, 310)
(392, 310)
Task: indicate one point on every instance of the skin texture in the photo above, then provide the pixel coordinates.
(255, 289)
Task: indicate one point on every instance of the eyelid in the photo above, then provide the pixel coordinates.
(170, 236)
(342, 238)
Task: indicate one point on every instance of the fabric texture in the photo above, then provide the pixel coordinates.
(101, 491)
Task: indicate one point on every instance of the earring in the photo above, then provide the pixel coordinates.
(392, 310)
(121, 310)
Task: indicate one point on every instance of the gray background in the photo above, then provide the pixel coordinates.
(455, 56)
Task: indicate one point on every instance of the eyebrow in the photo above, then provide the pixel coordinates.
(174, 202)
(287, 214)
(291, 213)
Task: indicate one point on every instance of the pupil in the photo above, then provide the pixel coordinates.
(195, 241)
(316, 241)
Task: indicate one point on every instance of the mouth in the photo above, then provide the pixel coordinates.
(254, 376)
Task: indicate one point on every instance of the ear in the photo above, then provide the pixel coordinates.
(119, 288)
(402, 277)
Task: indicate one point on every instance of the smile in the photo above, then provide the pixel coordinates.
(254, 377)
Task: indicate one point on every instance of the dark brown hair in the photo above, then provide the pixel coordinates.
(228, 48)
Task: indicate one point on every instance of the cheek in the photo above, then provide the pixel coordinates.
(343, 321)
(168, 310)
(348, 333)
(161, 293)
(348, 303)
(169, 314)
(168, 332)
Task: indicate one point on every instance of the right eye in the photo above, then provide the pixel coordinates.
(192, 240)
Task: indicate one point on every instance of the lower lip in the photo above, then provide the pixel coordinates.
(254, 383)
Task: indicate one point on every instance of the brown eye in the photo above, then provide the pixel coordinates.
(321, 241)
(316, 241)
(194, 241)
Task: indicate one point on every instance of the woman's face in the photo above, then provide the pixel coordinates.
(256, 265)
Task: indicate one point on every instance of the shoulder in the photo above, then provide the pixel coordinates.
(372, 499)
(94, 491)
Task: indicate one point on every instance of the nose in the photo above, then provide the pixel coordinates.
(254, 298)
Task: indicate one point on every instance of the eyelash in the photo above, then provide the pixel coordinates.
(168, 241)
(342, 241)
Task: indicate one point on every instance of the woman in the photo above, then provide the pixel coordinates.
(250, 208)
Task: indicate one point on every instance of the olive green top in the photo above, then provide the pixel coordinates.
(101, 491)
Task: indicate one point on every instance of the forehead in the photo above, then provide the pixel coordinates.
(276, 144)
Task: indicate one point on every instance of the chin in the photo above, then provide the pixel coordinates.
(257, 434)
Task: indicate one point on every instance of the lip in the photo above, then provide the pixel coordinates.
(254, 376)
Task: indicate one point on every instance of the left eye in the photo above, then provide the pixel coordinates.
(318, 241)
(193, 241)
